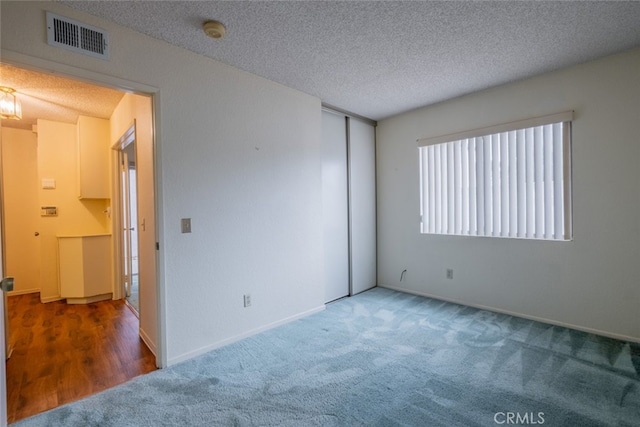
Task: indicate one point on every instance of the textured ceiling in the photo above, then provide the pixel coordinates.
(379, 58)
(46, 96)
(375, 59)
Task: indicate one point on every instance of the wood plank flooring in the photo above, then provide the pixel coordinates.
(63, 352)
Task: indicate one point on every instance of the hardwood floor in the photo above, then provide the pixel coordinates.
(63, 352)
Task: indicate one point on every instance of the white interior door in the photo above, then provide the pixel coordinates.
(129, 217)
(130, 220)
(133, 296)
(335, 208)
(126, 223)
(362, 205)
(21, 211)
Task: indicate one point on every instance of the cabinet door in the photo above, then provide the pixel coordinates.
(84, 266)
(71, 267)
(97, 265)
(93, 158)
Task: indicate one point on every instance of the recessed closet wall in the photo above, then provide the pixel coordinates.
(349, 204)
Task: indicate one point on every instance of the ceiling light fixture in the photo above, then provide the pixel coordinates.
(10, 106)
(214, 29)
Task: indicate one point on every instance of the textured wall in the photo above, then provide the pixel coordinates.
(590, 282)
(237, 154)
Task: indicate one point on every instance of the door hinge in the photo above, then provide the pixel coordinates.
(157, 246)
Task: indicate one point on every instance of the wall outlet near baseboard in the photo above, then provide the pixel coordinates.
(247, 300)
(449, 273)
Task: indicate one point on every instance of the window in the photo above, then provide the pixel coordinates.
(511, 180)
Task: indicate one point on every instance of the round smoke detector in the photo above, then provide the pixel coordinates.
(214, 29)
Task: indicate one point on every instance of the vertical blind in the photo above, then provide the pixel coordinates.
(510, 181)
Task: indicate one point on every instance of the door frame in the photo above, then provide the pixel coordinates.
(46, 66)
(3, 319)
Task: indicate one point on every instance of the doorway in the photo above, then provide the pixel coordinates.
(146, 184)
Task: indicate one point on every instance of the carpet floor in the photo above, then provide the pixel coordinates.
(384, 358)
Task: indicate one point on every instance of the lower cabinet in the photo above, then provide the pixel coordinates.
(84, 265)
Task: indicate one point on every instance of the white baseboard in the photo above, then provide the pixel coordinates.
(89, 300)
(516, 314)
(23, 292)
(219, 344)
(148, 341)
(50, 299)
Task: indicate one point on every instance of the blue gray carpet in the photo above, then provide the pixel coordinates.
(384, 358)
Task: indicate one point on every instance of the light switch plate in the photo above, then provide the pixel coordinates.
(185, 225)
(48, 183)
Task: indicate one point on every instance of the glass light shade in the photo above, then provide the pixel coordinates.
(10, 107)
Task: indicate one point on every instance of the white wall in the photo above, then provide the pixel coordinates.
(593, 282)
(238, 154)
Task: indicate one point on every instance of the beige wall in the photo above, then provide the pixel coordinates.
(21, 208)
(57, 159)
(138, 108)
(590, 283)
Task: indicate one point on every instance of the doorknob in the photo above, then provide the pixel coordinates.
(36, 234)
(7, 284)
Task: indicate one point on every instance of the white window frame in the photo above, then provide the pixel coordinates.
(466, 190)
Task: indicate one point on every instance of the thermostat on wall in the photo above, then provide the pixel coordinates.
(48, 211)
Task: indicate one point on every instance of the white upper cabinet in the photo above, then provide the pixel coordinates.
(93, 158)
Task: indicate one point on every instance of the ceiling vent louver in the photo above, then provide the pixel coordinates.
(77, 37)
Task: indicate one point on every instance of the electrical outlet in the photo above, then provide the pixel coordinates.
(449, 273)
(247, 300)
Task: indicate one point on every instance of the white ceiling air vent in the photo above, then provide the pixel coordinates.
(76, 36)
